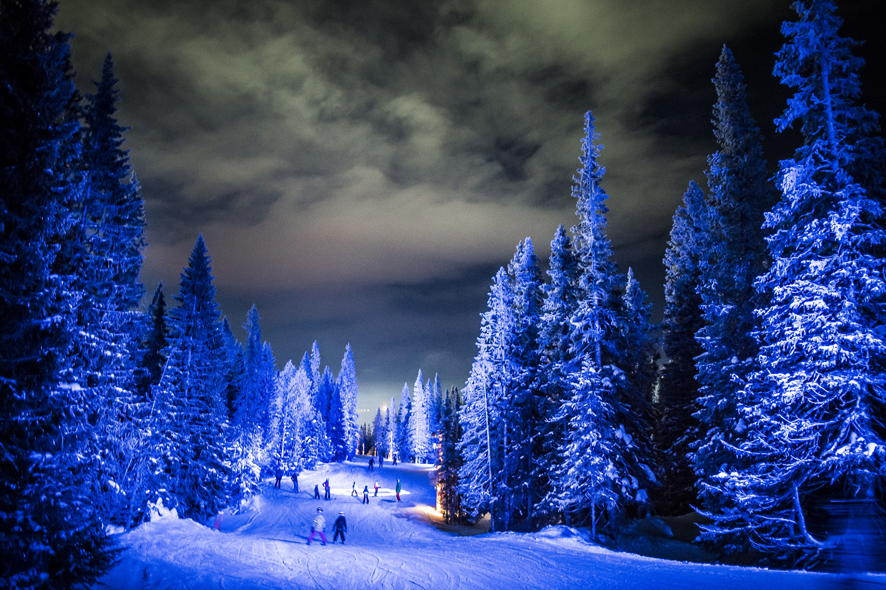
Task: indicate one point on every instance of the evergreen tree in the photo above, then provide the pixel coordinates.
(419, 436)
(677, 426)
(811, 414)
(330, 410)
(559, 301)
(347, 390)
(50, 533)
(404, 445)
(447, 476)
(153, 343)
(193, 419)
(480, 476)
(598, 407)
(739, 197)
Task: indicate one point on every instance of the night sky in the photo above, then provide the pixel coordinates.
(360, 169)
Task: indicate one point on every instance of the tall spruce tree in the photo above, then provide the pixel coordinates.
(50, 533)
(346, 384)
(559, 295)
(599, 468)
(738, 198)
(419, 435)
(811, 414)
(193, 419)
(677, 427)
(482, 484)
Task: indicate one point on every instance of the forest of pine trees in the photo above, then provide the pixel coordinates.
(759, 404)
(108, 411)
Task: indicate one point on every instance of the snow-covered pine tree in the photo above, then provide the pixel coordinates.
(329, 410)
(283, 430)
(738, 198)
(637, 362)
(256, 386)
(153, 343)
(194, 469)
(347, 390)
(677, 427)
(597, 438)
(419, 437)
(235, 367)
(392, 422)
(559, 297)
(50, 533)
(480, 475)
(521, 415)
(447, 476)
(404, 445)
(811, 415)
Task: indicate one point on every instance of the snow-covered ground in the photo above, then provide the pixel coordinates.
(391, 545)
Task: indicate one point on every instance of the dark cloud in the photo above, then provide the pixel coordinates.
(360, 168)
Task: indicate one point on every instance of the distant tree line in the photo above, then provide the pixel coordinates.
(761, 404)
(107, 411)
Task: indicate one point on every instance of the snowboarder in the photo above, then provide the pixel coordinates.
(318, 526)
(279, 476)
(381, 461)
(316, 492)
(295, 482)
(354, 489)
(366, 494)
(371, 463)
(340, 527)
(399, 487)
(326, 489)
(376, 488)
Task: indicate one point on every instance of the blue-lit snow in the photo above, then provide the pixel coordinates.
(394, 545)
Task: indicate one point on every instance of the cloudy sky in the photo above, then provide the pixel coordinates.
(361, 168)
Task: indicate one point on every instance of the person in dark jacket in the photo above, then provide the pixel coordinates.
(295, 482)
(366, 494)
(316, 492)
(326, 488)
(279, 476)
(341, 527)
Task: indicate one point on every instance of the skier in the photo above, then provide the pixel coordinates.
(381, 461)
(279, 476)
(376, 488)
(318, 526)
(354, 489)
(371, 463)
(366, 494)
(399, 487)
(395, 460)
(316, 492)
(326, 488)
(340, 527)
(295, 482)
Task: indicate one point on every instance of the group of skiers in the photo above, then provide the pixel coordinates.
(279, 477)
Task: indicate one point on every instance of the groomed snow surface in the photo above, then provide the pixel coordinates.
(395, 545)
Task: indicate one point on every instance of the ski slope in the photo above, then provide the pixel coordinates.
(391, 545)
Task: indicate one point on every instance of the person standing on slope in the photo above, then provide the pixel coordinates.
(340, 527)
(318, 526)
(316, 492)
(376, 488)
(371, 463)
(381, 461)
(366, 494)
(399, 487)
(354, 489)
(326, 488)
(294, 482)
(279, 476)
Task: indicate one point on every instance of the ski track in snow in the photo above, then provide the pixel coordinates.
(389, 546)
